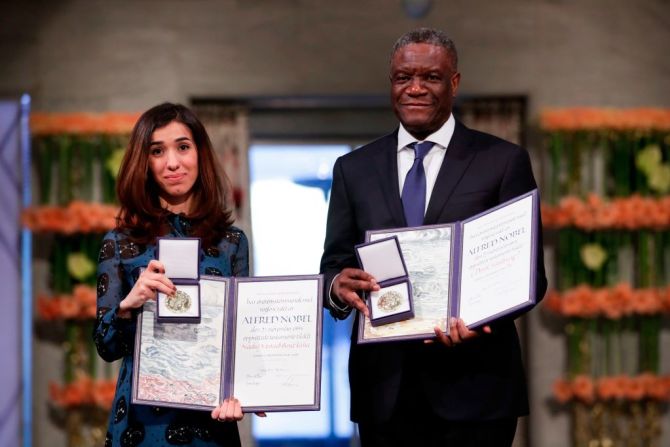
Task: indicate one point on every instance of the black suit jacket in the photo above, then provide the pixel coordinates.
(482, 378)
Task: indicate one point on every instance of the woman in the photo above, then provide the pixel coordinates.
(169, 184)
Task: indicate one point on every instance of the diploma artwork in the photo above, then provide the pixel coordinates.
(259, 339)
(479, 269)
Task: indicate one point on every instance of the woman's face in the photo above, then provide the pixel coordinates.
(173, 162)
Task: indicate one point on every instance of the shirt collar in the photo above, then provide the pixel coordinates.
(441, 136)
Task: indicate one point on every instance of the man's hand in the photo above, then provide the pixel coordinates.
(458, 333)
(349, 282)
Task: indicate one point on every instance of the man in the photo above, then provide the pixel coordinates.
(467, 388)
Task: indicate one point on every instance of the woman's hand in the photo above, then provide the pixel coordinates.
(229, 411)
(151, 280)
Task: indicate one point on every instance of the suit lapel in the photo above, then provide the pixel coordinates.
(386, 162)
(456, 161)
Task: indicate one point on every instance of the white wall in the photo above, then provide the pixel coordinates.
(129, 54)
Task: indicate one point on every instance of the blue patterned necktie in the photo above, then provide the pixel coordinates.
(414, 189)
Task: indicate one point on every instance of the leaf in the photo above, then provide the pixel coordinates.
(659, 179)
(80, 266)
(648, 158)
(593, 256)
(113, 163)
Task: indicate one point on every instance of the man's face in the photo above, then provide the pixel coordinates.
(423, 86)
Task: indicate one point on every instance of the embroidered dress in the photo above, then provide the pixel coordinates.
(119, 266)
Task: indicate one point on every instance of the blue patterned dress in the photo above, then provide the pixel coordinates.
(119, 265)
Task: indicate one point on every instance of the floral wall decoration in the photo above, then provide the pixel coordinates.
(607, 212)
(75, 161)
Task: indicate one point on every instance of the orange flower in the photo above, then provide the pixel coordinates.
(78, 217)
(590, 118)
(571, 304)
(606, 216)
(583, 388)
(81, 304)
(586, 302)
(633, 208)
(631, 213)
(48, 218)
(648, 382)
(71, 396)
(86, 298)
(585, 220)
(553, 301)
(47, 308)
(548, 216)
(562, 218)
(646, 302)
(590, 303)
(82, 123)
(83, 391)
(602, 302)
(69, 308)
(609, 304)
(95, 216)
(103, 393)
(664, 386)
(593, 200)
(572, 205)
(645, 211)
(84, 294)
(622, 294)
(607, 388)
(562, 391)
(579, 302)
(620, 385)
(55, 393)
(666, 299)
(634, 388)
(659, 216)
(626, 214)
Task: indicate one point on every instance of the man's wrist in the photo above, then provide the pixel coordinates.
(334, 301)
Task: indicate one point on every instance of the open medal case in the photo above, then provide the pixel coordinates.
(393, 301)
(181, 258)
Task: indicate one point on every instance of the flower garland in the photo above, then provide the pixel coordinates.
(76, 158)
(80, 305)
(82, 123)
(76, 217)
(606, 188)
(83, 391)
(591, 118)
(588, 390)
(594, 213)
(613, 303)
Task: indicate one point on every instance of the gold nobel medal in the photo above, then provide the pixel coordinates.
(178, 302)
(389, 301)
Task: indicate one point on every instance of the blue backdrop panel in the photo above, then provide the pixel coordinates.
(10, 279)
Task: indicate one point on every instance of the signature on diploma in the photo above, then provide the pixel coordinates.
(290, 382)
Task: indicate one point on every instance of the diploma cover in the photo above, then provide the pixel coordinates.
(259, 340)
(479, 269)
